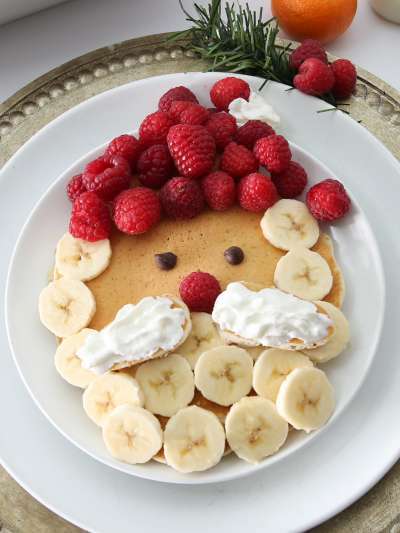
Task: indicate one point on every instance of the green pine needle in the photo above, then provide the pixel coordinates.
(236, 39)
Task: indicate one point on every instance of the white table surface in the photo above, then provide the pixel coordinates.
(31, 46)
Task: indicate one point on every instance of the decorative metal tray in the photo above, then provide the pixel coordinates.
(375, 105)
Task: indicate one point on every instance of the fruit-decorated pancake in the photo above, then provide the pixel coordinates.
(194, 326)
(199, 244)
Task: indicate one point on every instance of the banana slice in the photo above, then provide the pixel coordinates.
(194, 440)
(255, 351)
(204, 336)
(79, 259)
(67, 363)
(303, 273)
(306, 399)
(160, 456)
(339, 339)
(66, 306)
(167, 384)
(272, 367)
(109, 391)
(254, 429)
(54, 275)
(289, 223)
(132, 434)
(223, 375)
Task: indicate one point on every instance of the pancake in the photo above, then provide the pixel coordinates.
(220, 410)
(199, 244)
(324, 247)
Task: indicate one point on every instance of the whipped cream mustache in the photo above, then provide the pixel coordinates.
(270, 317)
(137, 331)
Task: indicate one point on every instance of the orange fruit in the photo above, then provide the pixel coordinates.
(315, 19)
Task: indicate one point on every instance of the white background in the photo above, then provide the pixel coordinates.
(31, 46)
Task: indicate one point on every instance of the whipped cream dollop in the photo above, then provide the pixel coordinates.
(257, 108)
(270, 317)
(137, 331)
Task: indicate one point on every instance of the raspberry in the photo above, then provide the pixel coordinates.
(136, 210)
(219, 190)
(308, 48)
(194, 114)
(176, 93)
(314, 77)
(102, 163)
(250, 132)
(182, 198)
(97, 166)
(345, 75)
(328, 200)
(222, 127)
(154, 128)
(192, 149)
(126, 146)
(90, 219)
(224, 91)
(273, 152)
(75, 187)
(155, 166)
(237, 160)
(291, 182)
(199, 290)
(107, 177)
(176, 109)
(256, 192)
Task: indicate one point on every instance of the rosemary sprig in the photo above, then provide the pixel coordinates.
(236, 39)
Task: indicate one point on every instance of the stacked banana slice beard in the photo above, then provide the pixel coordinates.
(216, 390)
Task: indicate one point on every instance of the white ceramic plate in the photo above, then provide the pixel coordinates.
(334, 458)
(62, 403)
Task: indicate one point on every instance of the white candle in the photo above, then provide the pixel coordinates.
(389, 9)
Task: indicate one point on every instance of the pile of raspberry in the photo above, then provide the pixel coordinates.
(315, 76)
(186, 158)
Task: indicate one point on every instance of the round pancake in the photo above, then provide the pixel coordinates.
(220, 410)
(199, 244)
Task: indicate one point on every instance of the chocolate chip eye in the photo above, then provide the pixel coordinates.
(165, 261)
(234, 255)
